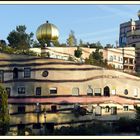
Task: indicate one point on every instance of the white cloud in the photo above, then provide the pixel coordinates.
(91, 19)
(116, 11)
(97, 33)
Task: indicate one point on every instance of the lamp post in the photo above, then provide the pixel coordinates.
(37, 111)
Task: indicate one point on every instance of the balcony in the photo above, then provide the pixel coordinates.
(135, 32)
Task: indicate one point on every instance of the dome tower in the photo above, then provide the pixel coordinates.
(47, 33)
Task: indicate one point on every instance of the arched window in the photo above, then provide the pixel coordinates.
(15, 73)
(107, 109)
(90, 91)
(75, 91)
(106, 91)
(126, 91)
(98, 110)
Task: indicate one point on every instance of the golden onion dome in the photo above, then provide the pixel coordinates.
(47, 32)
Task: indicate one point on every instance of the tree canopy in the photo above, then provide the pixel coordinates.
(72, 41)
(19, 39)
(4, 114)
(96, 58)
(78, 52)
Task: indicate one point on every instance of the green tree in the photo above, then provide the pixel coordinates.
(99, 45)
(71, 41)
(56, 43)
(78, 52)
(81, 43)
(96, 58)
(96, 45)
(4, 114)
(109, 46)
(19, 39)
(36, 44)
(3, 43)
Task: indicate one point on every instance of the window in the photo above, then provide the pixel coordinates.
(125, 108)
(75, 91)
(135, 92)
(111, 58)
(125, 91)
(53, 108)
(15, 73)
(38, 91)
(53, 90)
(133, 45)
(45, 73)
(118, 66)
(119, 58)
(36, 126)
(90, 108)
(90, 91)
(1, 76)
(8, 90)
(113, 110)
(97, 91)
(21, 90)
(98, 111)
(27, 72)
(21, 109)
(114, 57)
(107, 109)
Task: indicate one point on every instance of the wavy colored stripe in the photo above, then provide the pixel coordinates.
(87, 99)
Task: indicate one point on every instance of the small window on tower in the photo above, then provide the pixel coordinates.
(38, 91)
(27, 72)
(21, 90)
(53, 90)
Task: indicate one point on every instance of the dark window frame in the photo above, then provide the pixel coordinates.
(38, 91)
(53, 91)
(15, 73)
(21, 90)
(21, 109)
(27, 74)
(54, 108)
(107, 109)
(126, 91)
(126, 108)
(45, 73)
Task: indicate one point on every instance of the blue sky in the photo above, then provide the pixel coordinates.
(91, 23)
